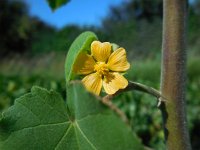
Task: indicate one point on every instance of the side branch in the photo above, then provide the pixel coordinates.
(139, 87)
(131, 86)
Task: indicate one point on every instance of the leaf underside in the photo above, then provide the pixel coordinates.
(81, 43)
(41, 120)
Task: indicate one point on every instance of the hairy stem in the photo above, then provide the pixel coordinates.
(173, 75)
(139, 87)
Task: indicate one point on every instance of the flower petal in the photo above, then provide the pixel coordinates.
(118, 60)
(101, 51)
(93, 83)
(113, 82)
(84, 64)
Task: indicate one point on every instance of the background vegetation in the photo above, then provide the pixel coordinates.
(33, 53)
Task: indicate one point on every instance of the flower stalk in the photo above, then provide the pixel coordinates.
(139, 87)
(131, 86)
(173, 75)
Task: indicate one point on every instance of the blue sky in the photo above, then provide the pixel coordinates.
(80, 12)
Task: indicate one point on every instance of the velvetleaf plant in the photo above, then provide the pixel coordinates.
(42, 120)
(78, 125)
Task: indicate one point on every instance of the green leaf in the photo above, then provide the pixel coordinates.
(41, 120)
(80, 44)
(54, 4)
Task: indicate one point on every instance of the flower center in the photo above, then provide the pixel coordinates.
(101, 68)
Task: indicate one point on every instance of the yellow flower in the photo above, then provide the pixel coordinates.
(103, 68)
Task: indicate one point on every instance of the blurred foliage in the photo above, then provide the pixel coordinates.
(140, 108)
(135, 25)
(55, 41)
(18, 30)
(14, 27)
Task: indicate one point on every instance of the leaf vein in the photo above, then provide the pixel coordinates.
(65, 133)
(51, 107)
(43, 125)
(28, 110)
(78, 143)
(85, 137)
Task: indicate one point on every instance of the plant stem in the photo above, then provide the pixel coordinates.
(131, 86)
(173, 75)
(139, 87)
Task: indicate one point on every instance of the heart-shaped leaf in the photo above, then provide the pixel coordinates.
(41, 120)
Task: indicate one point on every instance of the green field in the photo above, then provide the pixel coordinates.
(18, 75)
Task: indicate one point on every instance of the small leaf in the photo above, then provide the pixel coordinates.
(81, 43)
(41, 120)
(54, 4)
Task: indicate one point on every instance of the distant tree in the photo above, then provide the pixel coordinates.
(18, 31)
(136, 9)
(193, 25)
(49, 39)
(43, 36)
(14, 27)
(132, 23)
(196, 6)
(136, 21)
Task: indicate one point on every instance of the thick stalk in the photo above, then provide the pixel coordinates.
(173, 75)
